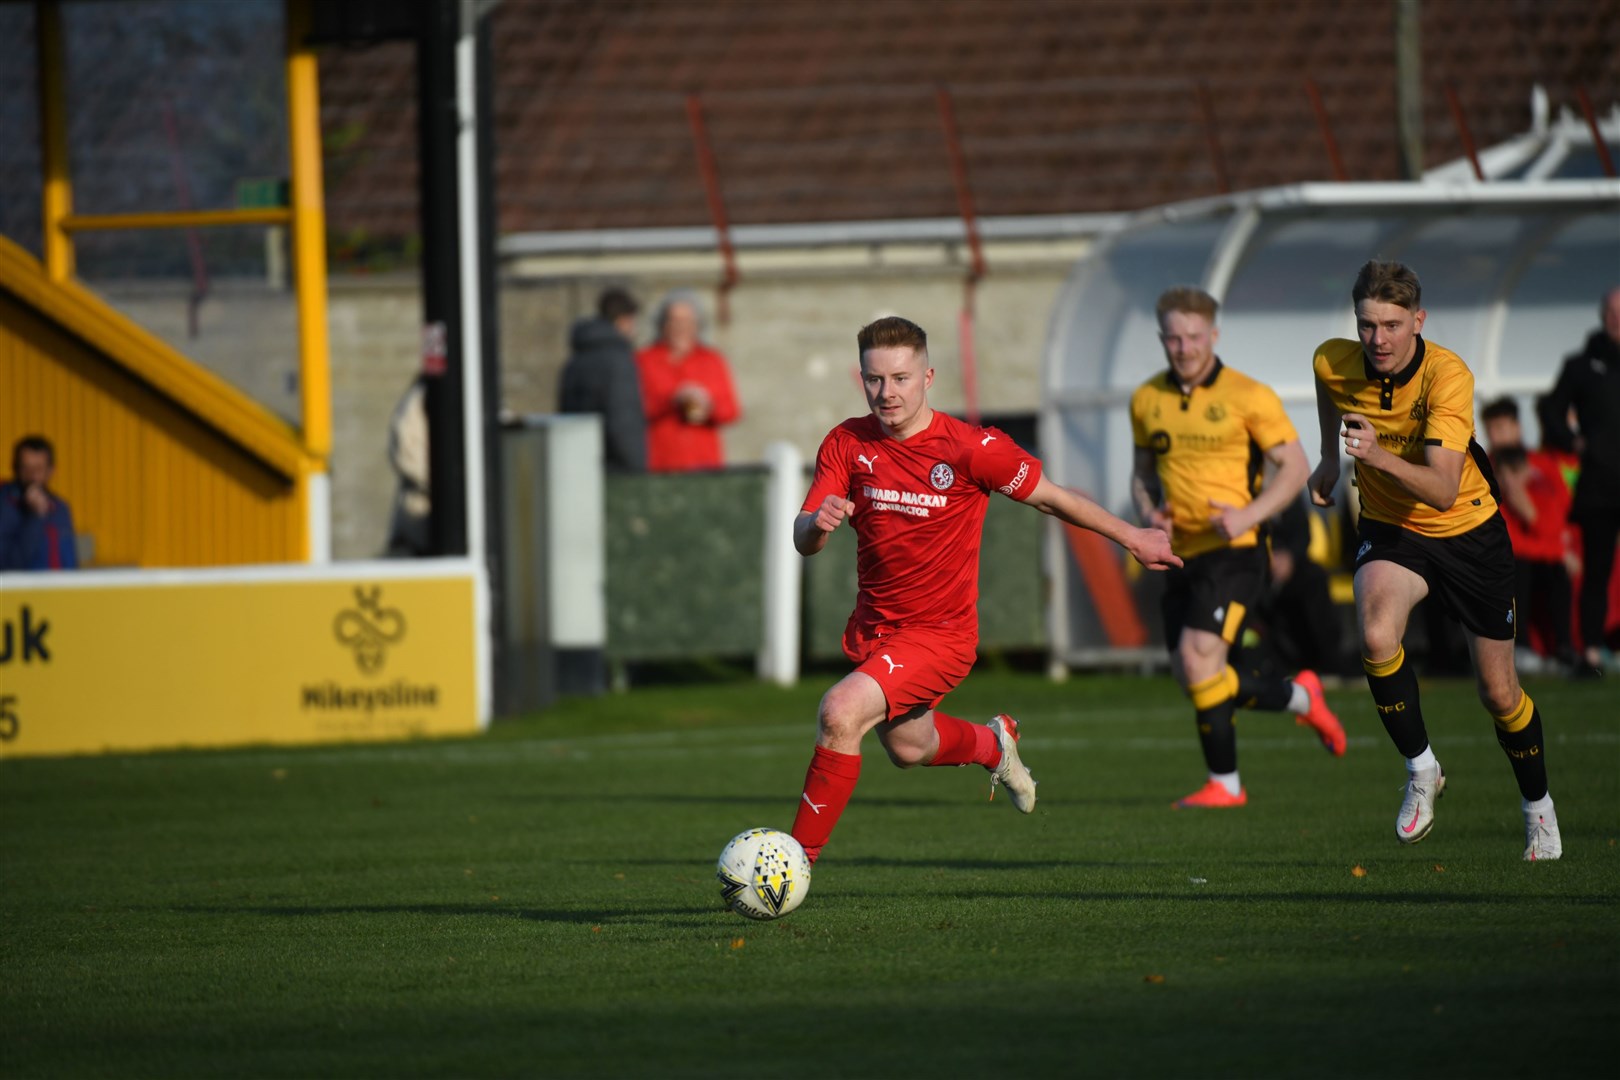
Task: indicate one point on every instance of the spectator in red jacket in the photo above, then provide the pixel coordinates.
(1535, 505)
(686, 390)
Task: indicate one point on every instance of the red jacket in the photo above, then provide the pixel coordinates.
(1544, 539)
(673, 443)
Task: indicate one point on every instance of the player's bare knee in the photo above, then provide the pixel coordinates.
(840, 716)
(836, 727)
(1197, 666)
(1499, 694)
(1379, 643)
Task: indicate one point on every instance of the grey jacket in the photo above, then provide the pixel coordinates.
(601, 377)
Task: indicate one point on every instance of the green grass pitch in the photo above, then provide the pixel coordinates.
(541, 902)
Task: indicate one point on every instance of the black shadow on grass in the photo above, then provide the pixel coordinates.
(578, 918)
(729, 799)
(886, 862)
(901, 864)
(1250, 897)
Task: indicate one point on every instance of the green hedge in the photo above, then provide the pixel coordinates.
(685, 569)
(685, 564)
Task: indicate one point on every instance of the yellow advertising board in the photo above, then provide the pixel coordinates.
(132, 665)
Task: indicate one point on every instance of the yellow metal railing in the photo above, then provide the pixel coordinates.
(175, 219)
(57, 185)
(304, 215)
(309, 229)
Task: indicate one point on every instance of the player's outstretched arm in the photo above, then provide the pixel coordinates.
(1150, 547)
(812, 527)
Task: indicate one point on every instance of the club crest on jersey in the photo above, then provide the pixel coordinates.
(1215, 413)
(1159, 441)
(1419, 410)
(942, 476)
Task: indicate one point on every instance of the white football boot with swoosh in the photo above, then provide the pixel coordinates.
(1417, 808)
(1542, 843)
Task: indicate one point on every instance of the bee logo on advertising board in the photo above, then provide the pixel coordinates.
(216, 659)
(369, 629)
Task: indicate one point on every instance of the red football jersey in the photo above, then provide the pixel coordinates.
(919, 514)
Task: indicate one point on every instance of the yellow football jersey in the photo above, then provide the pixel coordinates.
(1208, 444)
(1430, 402)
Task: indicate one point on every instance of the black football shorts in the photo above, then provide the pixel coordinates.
(1213, 591)
(1470, 573)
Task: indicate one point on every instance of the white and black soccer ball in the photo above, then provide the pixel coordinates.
(763, 874)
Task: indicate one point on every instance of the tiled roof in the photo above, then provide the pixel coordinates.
(824, 110)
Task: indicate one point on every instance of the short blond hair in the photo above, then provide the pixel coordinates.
(1188, 299)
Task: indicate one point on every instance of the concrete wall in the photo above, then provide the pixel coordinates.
(790, 340)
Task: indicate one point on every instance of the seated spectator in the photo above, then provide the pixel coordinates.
(36, 525)
(686, 390)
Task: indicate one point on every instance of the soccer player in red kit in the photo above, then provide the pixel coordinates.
(914, 484)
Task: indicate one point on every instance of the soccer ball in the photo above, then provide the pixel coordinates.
(763, 874)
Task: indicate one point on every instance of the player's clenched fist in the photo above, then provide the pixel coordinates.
(832, 512)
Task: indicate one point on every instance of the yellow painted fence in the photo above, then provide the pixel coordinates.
(110, 661)
(163, 463)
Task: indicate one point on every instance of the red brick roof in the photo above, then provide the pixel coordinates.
(825, 110)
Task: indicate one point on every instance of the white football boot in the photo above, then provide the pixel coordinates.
(1011, 772)
(1417, 808)
(1541, 840)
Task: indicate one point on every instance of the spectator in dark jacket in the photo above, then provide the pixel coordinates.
(1590, 384)
(36, 526)
(601, 377)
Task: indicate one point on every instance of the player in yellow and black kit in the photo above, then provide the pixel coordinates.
(1429, 524)
(1203, 434)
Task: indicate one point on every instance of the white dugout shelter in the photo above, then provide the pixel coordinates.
(1512, 272)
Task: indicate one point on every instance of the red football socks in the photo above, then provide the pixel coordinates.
(962, 743)
(828, 784)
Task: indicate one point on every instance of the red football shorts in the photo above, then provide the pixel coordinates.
(914, 667)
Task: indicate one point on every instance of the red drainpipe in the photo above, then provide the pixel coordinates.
(717, 204)
(1463, 131)
(1327, 131)
(1597, 135)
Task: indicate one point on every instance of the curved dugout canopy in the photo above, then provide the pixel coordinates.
(1512, 275)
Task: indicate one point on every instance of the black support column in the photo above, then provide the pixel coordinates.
(438, 26)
